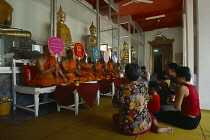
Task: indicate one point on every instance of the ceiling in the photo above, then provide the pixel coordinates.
(172, 9)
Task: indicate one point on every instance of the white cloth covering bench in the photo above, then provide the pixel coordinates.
(36, 91)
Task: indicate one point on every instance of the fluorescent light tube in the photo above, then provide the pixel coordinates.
(160, 16)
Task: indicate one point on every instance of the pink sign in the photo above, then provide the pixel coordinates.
(106, 56)
(55, 46)
(79, 51)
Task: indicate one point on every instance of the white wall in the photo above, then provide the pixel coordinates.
(34, 16)
(203, 21)
(169, 33)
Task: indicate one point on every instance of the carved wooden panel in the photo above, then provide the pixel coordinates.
(161, 40)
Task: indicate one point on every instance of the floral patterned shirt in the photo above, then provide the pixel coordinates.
(131, 99)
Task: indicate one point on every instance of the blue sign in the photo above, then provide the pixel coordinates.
(96, 54)
(114, 57)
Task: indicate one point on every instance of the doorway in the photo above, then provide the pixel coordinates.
(161, 54)
(157, 55)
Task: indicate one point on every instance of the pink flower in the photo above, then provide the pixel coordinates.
(127, 101)
(132, 112)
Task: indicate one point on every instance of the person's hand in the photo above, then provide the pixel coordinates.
(174, 86)
(79, 67)
(56, 65)
(97, 76)
(163, 85)
(65, 80)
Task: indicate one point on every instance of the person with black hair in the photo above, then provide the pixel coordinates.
(145, 75)
(171, 72)
(154, 98)
(164, 92)
(187, 99)
(131, 99)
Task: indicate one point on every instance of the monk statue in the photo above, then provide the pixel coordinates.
(46, 66)
(63, 32)
(91, 41)
(6, 21)
(133, 59)
(125, 53)
(70, 69)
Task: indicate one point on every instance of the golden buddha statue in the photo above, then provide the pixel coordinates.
(125, 53)
(91, 41)
(133, 59)
(6, 21)
(63, 32)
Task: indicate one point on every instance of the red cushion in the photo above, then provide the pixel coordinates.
(28, 73)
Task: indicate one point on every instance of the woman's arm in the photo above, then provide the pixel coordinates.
(181, 92)
(150, 98)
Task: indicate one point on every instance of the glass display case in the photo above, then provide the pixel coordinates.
(17, 48)
(132, 34)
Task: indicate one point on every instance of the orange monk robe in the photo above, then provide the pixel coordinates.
(91, 77)
(71, 64)
(46, 79)
(110, 74)
(100, 74)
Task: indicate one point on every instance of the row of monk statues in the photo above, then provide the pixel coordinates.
(70, 70)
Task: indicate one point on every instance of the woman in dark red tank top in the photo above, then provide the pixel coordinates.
(187, 99)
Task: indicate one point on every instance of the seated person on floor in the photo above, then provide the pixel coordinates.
(131, 99)
(46, 66)
(100, 71)
(145, 75)
(154, 98)
(166, 93)
(110, 69)
(163, 83)
(187, 98)
(70, 70)
(86, 69)
(171, 73)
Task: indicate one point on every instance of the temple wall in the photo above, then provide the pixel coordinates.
(169, 33)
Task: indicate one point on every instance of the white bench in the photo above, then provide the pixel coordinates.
(36, 91)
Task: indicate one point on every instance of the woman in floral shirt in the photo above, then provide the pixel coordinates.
(131, 99)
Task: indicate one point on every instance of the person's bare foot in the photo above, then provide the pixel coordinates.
(164, 130)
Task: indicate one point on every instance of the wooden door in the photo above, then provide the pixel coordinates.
(166, 56)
